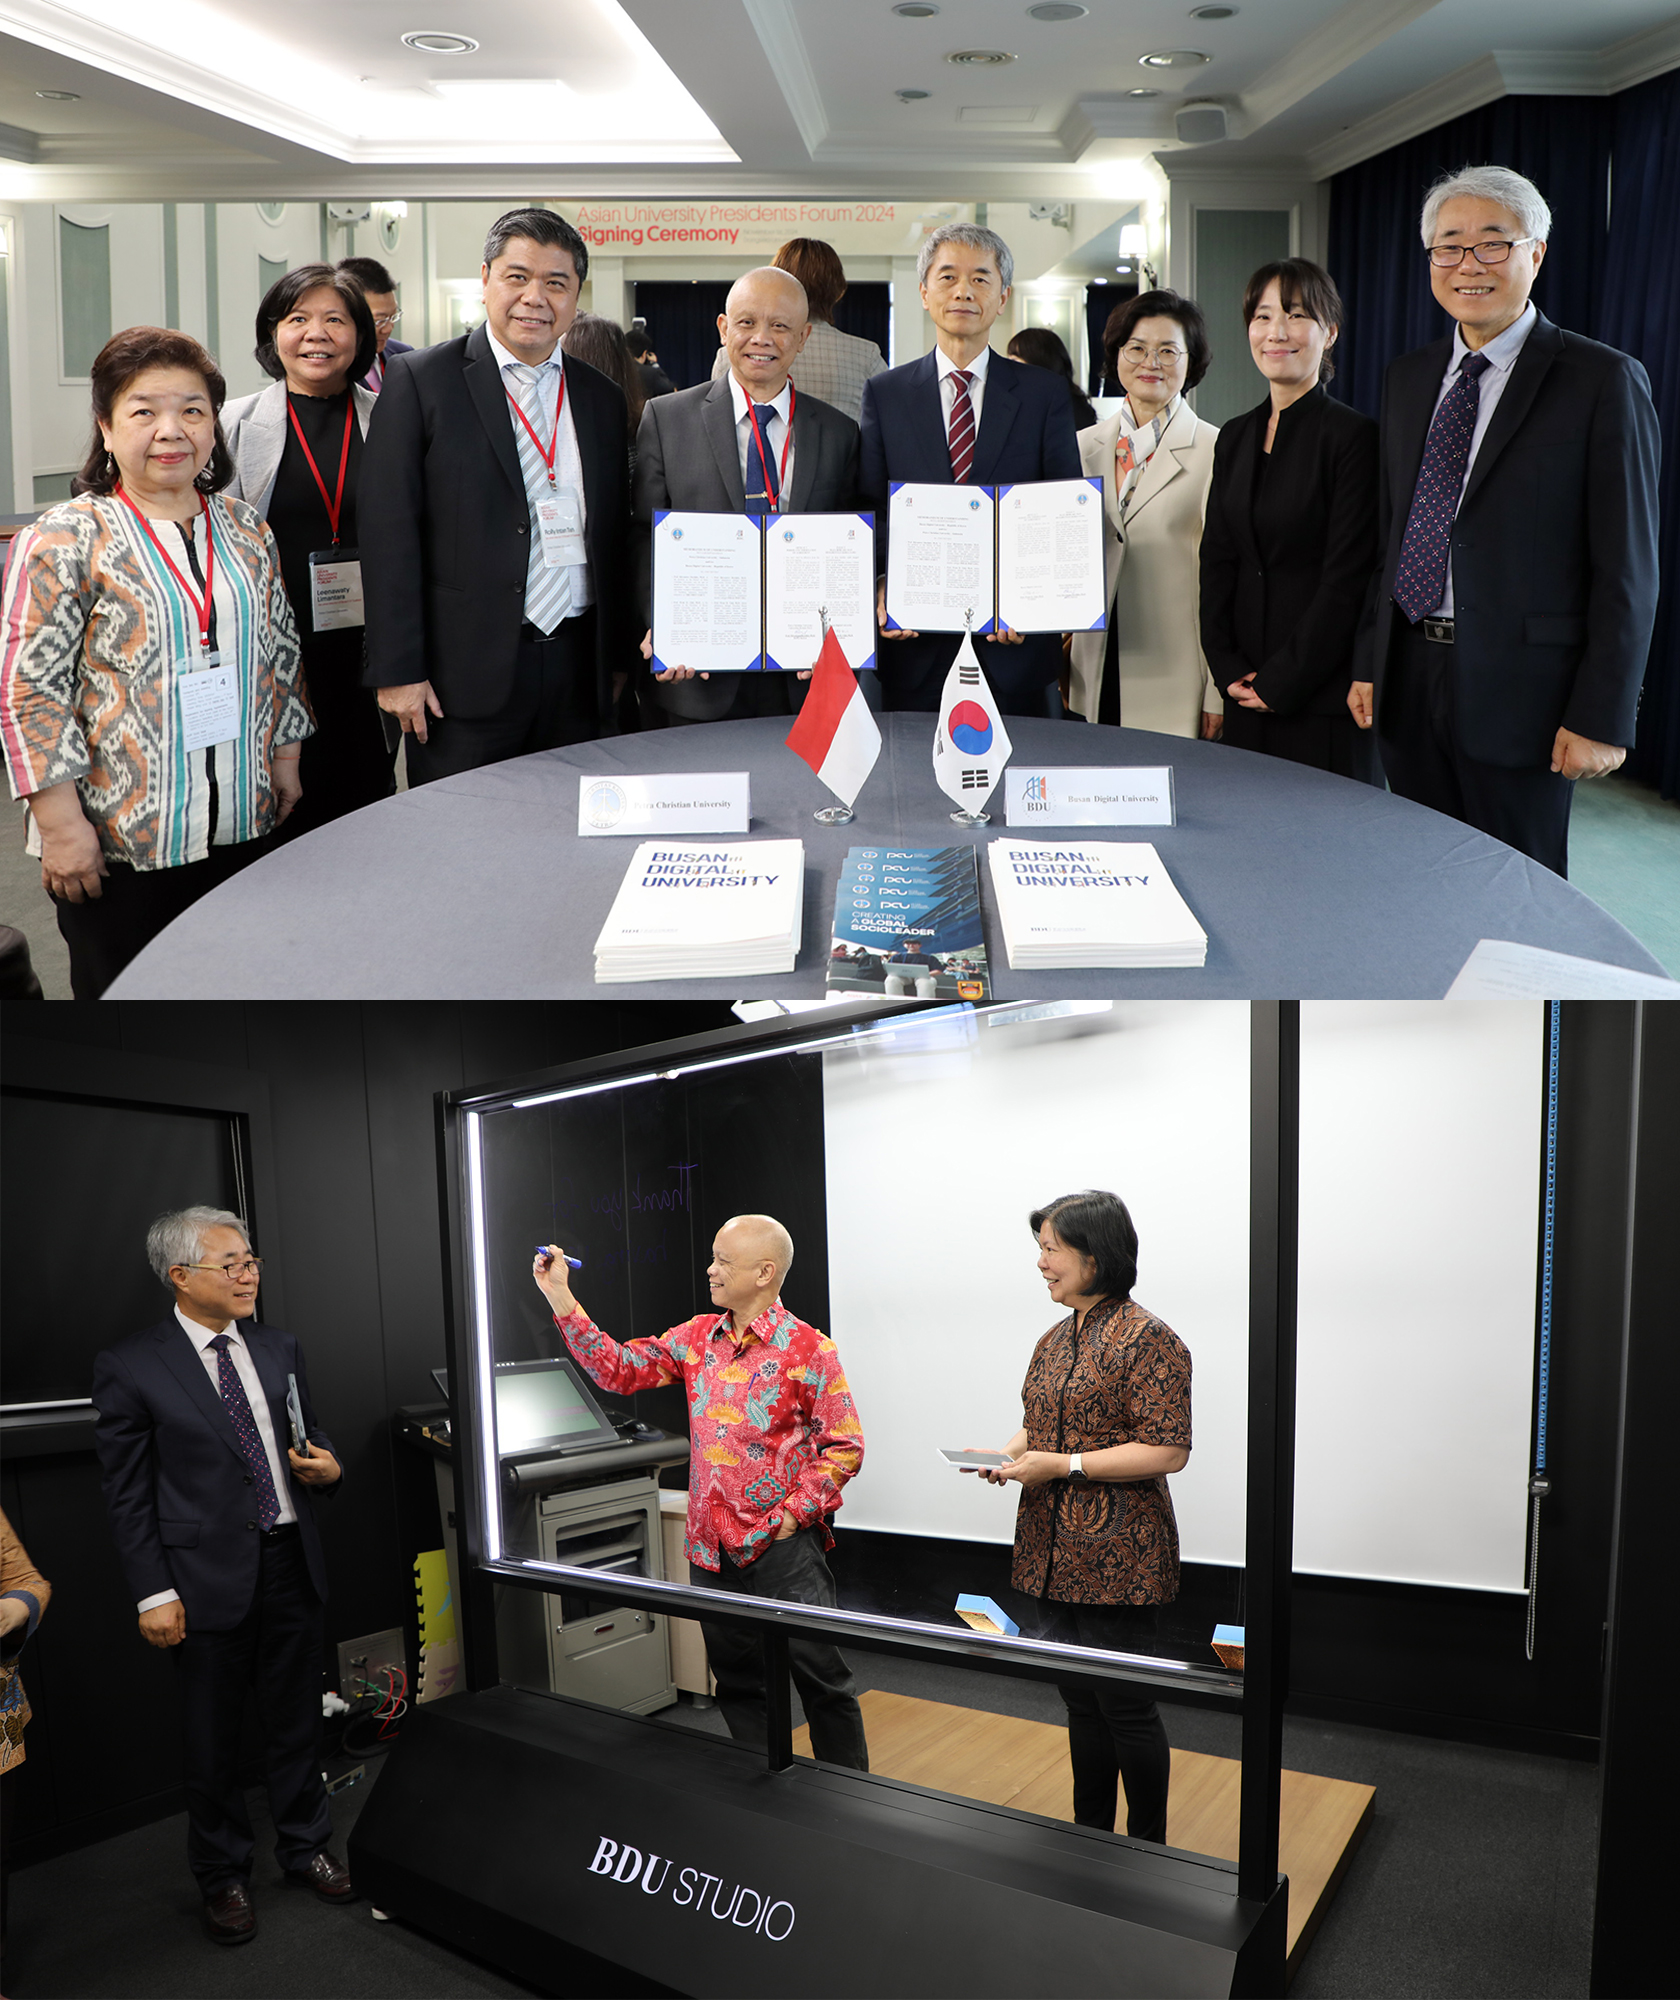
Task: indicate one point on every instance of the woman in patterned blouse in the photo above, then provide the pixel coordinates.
(1106, 1405)
(152, 724)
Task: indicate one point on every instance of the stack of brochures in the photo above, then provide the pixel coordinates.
(907, 925)
(705, 910)
(1090, 903)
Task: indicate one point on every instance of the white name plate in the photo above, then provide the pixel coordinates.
(664, 802)
(1080, 795)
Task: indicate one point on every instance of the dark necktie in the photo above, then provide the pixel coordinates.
(962, 426)
(761, 478)
(238, 1406)
(1420, 582)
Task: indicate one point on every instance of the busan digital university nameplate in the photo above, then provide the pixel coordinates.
(1081, 795)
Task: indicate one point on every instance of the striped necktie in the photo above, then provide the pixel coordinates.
(962, 427)
(1420, 578)
(238, 1406)
(548, 592)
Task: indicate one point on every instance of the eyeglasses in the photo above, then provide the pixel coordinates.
(1447, 256)
(248, 1267)
(1166, 356)
(383, 322)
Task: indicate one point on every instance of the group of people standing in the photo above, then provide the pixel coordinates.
(223, 637)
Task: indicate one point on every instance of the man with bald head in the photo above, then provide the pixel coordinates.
(749, 443)
(773, 1438)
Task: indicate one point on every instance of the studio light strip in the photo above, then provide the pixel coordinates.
(489, 1462)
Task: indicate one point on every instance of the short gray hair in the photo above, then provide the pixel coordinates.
(1499, 184)
(977, 239)
(178, 1237)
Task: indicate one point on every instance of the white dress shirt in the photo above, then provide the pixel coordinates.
(568, 462)
(1500, 354)
(976, 385)
(775, 433)
(257, 1396)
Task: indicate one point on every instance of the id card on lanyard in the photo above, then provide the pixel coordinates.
(559, 510)
(335, 574)
(206, 690)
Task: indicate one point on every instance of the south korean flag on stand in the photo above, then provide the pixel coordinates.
(971, 745)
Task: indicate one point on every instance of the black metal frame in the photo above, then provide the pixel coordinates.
(1258, 1694)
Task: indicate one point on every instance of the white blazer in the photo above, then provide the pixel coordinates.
(1152, 570)
(255, 428)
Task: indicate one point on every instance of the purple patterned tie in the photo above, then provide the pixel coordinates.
(238, 1406)
(1420, 582)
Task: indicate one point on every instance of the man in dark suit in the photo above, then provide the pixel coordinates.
(495, 512)
(726, 447)
(381, 296)
(1507, 636)
(216, 1540)
(963, 414)
(655, 382)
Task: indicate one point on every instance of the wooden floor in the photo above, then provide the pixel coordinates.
(1008, 1761)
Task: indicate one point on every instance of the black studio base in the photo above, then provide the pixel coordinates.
(582, 1850)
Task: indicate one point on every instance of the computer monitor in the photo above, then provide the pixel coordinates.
(547, 1406)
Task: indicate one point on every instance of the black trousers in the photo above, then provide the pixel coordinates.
(552, 704)
(1115, 1732)
(793, 1570)
(1527, 808)
(275, 1649)
(134, 904)
(347, 763)
(1333, 743)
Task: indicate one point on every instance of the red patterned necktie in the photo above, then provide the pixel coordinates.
(962, 427)
(1420, 579)
(238, 1406)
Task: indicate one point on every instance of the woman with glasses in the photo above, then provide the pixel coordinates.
(1155, 458)
(1105, 1419)
(151, 703)
(297, 456)
(1291, 537)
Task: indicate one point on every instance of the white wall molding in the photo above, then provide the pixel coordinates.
(1466, 89)
(777, 29)
(1335, 46)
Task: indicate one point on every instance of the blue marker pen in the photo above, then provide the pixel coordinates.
(575, 1262)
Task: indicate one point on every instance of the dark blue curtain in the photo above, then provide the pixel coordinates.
(682, 324)
(1610, 167)
(866, 311)
(1639, 312)
(1376, 254)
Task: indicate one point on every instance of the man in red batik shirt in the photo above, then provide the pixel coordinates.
(773, 1437)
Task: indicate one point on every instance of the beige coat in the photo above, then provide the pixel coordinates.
(1153, 579)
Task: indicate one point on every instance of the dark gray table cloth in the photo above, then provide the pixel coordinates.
(479, 887)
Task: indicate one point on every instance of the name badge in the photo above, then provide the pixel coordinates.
(1076, 795)
(335, 590)
(560, 523)
(664, 802)
(209, 704)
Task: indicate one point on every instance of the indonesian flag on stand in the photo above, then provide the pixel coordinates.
(971, 745)
(834, 732)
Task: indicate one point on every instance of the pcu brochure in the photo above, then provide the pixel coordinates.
(907, 925)
(1096, 903)
(705, 910)
(1028, 556)
(747, 593)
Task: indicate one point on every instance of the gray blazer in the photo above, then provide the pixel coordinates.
(688, 458)
(255, 429)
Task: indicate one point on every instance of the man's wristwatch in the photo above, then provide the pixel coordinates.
(1076, 1466)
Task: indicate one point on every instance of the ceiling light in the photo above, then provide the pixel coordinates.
(432, 42)
(1211, 13)
(911, 96)
(1143, 93)
(916, 10)
(980, 58)
(60, 96)
(1057, 10)
(1174, 59)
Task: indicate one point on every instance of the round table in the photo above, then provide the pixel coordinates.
(479, 886)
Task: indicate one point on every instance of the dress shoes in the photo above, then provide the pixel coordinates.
(327, 1876)
(228, 1915)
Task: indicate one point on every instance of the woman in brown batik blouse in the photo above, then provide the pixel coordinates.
(1106, 1408)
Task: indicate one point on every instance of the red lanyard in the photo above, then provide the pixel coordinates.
(787, 446)
(335, 505)
(547, 457)
(202, 608)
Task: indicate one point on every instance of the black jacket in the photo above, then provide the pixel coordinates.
(1286, 572)
(1554, 546)
(446, 536)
